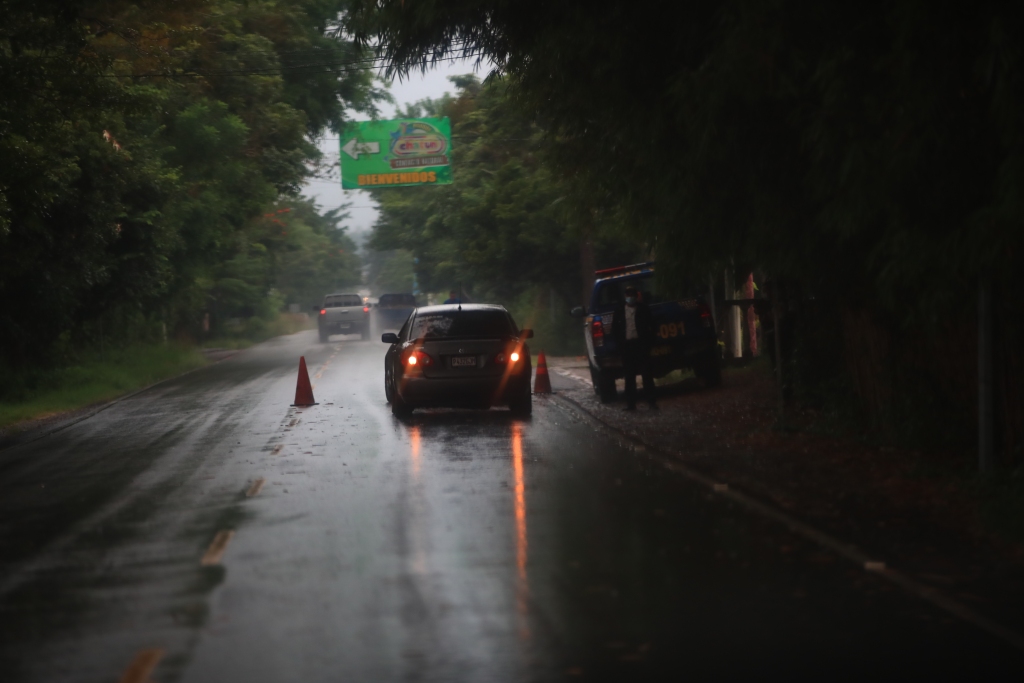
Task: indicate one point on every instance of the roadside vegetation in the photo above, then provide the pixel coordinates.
(863, 163)
(151, 155)
(93, 378)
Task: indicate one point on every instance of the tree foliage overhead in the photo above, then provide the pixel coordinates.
(142, 145)
(870, 153)
(507, 222)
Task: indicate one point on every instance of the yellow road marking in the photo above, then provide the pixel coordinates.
(277, 449)
(217, 547)
(255, 488)
(142, 666)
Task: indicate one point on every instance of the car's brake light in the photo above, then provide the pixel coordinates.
(323, 311)
(597, 331)
(501, 358)
(366, 309)
(514, 357)
(419, 358)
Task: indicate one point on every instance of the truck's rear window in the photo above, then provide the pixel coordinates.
(611, 292)
(343, 300)
(462, 325)
(397, 301)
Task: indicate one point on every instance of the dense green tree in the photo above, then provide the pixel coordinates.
(142, 144)
(508, 222)
(867, 154)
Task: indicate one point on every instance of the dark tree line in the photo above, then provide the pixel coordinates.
(867, 158)
(150, 158)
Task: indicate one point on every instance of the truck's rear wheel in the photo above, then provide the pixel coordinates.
(324, 336)
(709, 368)
(604, 385)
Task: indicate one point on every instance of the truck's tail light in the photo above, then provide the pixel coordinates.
(419, 359)
(597, 331)
(705, 315)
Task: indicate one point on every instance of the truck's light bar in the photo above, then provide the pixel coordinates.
(622, 269)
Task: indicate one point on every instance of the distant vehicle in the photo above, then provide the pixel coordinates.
(471, 355)
(685, 336)
(343, 314)
(392, 310)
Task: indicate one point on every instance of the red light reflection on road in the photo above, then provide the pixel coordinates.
(414, 448)
(522, 587)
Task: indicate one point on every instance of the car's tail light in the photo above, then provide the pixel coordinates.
(705, 315)
(503, 358)
(419, 359)
(366, 309)
(323, 311)
(597, 331)
(514, 357)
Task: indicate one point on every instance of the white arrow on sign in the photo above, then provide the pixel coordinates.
(354, 148)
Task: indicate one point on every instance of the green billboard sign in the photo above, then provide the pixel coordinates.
(395, 153)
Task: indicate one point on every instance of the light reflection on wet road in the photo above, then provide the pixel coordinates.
(453, 546)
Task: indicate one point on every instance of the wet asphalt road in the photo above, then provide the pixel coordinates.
(454, 546)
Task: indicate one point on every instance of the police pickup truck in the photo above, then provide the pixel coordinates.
(684, 333)
(343, 314)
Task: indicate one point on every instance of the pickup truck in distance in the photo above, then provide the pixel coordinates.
(392, 310)
(684, 334)
(343, 314)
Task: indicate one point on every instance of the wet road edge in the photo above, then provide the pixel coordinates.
(826, 541)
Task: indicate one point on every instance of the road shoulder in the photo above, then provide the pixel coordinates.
(882, 503)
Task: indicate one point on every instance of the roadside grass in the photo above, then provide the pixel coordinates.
(256, 330)
(95, 379)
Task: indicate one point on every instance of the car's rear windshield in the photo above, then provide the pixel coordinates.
(343, 300)
(462, 325)
(397, 300)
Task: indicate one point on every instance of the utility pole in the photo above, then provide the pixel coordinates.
(986, 450)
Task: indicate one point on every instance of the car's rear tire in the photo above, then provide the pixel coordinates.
(389, 378)
(324, 337)
(522, 404)
(604, 385)
(399, 408)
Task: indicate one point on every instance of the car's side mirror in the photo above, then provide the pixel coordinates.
(578, 312)
(526, 334)
(389, 338)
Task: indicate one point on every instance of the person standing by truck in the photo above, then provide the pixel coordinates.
(633, 329)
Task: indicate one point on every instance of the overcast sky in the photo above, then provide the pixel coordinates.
(328, 192)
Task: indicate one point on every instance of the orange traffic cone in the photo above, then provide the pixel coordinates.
(542, 383)
(303, 390)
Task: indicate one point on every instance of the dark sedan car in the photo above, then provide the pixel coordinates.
(469, 355)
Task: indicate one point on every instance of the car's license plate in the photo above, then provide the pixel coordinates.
(344, 326)
(463, 361)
